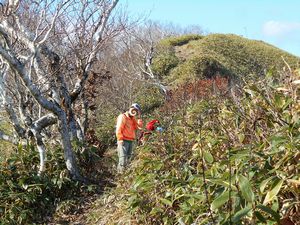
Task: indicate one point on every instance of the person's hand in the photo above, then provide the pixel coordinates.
(120, 142)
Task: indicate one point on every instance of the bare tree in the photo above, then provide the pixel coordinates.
(47, 52)
(129, 61)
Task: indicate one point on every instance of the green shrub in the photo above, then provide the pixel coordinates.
(149, 97)
(25, 197)
(163, 63)
(244, 56)
(6, 148)
(197, 67)
(105, 127)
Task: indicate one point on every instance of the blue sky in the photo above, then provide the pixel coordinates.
(274, 21)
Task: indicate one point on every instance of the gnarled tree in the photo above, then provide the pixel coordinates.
(48, 50)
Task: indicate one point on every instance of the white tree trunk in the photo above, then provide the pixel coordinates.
(66, 142)
(36, 129)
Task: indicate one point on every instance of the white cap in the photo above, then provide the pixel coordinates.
(136, 106)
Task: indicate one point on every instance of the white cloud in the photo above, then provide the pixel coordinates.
(277, 28)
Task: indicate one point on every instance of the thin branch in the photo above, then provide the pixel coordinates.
(16, 65)
(80, 81)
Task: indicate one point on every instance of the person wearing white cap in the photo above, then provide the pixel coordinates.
(126, 128)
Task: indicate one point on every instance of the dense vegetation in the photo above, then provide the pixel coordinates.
(222, 160)
(27, 198)
(226, 156)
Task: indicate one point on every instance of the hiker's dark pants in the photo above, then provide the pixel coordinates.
(125, 150)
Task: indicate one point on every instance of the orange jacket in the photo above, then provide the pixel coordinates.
(126, 127)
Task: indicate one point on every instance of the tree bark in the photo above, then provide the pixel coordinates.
(67, 146)
(36, 130)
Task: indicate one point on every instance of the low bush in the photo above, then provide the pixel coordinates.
(198, 67)
(149, 97)
(6, 148)
(163, 63)
(25, 197)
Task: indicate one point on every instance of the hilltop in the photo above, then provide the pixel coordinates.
(184, 58)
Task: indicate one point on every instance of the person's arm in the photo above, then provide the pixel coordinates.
(139, 121)
(139, 124)
(120, 127)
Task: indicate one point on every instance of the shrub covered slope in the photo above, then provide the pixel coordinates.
(226, 156)
(222, 159)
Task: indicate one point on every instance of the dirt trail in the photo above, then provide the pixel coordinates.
(76, 213)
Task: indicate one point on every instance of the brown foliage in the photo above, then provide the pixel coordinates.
(92, 140)
(191, 92)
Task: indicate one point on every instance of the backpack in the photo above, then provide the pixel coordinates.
(151, 124)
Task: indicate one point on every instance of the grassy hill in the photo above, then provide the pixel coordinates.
(182, 59)
(222, 159)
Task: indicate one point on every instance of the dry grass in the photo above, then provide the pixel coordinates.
(5, 147)
(109, 208)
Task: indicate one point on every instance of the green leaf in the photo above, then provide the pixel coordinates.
(156, 210)
(271, 194)
(191, 201)
(138, 181)
(220, 200)
(240, 214)
(270, 211)
(259, 216)
(277, 140)
(241, 137)
(208, 156)
(134, 202)
(264, 184)
(223, 183)
(199, 197)
(166, 202)
(246, 188)
(279, 100)
(91, 188)
(275, 204)
(287, 103)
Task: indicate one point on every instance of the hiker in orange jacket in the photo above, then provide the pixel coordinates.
(126, 129)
